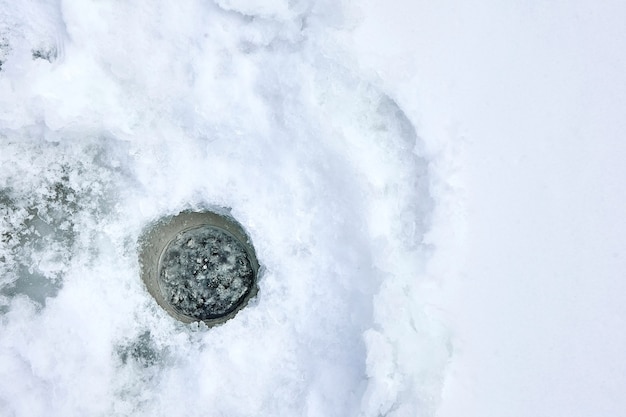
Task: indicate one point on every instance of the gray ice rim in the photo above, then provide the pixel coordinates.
(157, 237)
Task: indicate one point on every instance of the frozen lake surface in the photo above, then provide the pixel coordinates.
(114, 115)
(435, 193)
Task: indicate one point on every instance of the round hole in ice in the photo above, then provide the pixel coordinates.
(199, 266)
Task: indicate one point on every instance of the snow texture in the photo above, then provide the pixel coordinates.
(115, 114)
(521, 105)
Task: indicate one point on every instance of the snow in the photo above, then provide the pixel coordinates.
(142, 111)
(522, 103)
(434, 192)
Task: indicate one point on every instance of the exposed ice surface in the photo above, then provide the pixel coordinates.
(205, 273)
(114, 114)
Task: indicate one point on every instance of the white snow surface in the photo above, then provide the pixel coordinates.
(115, 114)
(521, 104)
(435, 192)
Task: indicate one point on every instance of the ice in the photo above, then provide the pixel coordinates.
(149, 110)
(205, 287)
